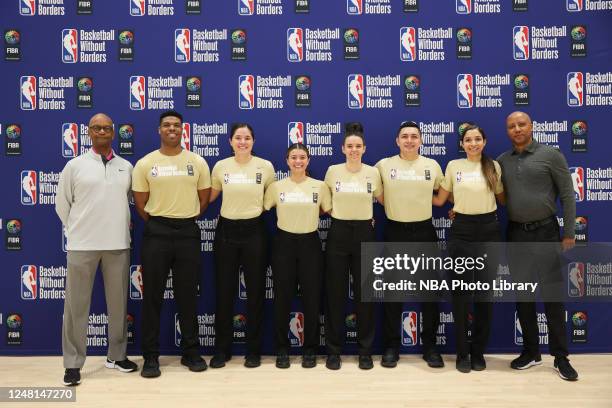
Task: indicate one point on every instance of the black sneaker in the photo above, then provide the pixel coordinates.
(150, 368)
(194, 363)
(282, 361)
(433, 359)
(365, 362)
(525, 360)
(390, 358)
(565, 369)
(72, 376)
(478, 362)
(252, 360)
(463, 364)
(309, 360)
(333, 362)
(125, 366)
(219, 360)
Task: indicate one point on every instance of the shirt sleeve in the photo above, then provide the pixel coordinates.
(270, 176)
(216, 177)
(447, 182)
(269, 196)
(563, 181)
(439, 176)
(139, 178)
(204, 180)
(326, 200)
(499, 187)
(378, 190)
(64, 194)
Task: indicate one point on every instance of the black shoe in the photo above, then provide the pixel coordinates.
(282, 360)
(252, 360)
(365, 362)
(333, 362)
(309, 360)
(526, 360)
(565, 369)
(390, 358)
(478, 362)
(125, 366)
(463, 364)
(219, 360)
(150, 368)
(433, 359)
(194, 363)
(72, 376)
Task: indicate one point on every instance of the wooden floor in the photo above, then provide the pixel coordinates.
(412, 384)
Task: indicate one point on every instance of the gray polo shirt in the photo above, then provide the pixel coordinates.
(533, 179)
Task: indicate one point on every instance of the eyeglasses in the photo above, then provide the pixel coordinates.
(98, 129)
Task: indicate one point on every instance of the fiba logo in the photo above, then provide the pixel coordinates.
(137, 7)
(407, 44)
(28, 92)
(409, 328)
(27, 7)
(70, 142)
(182, 45)
(246, 92)
(246, 7)
(355, 91)
(295, 45)
(465, 93)
(354, 7)
(577, 174)
(574, 5)
(575, 96)
(295, 133)
(136, 285)
(28, 187)
(575, 279)
(520, 43)
(518, 331)
(463, 6)
(296, 329)
(186, 136)
(28, 282)
(137, 92)
(70, 47)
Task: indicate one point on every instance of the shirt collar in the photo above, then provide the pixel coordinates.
(108, 157)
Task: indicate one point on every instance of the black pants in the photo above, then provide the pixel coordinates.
(422, 231)
(544, 265)
(239, 242)
(465, 232)
(297, 258)
(170, 244)
(343, 255)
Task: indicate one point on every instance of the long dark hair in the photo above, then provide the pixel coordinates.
(353, 129)
(488, 167)
(299, 146)
(239, 125)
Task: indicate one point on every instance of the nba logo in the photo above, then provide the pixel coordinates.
(70, 144)
(465, 96)
(246, 92)
(28, 187)
(295, 45)
(575, 278)
(242, 292)
(136, 286)
(137, 92)
(355, 91)
(574, 5)
(577, 174)
(246, 7)
(186, 136)
(295, 132)
(27, 7)
(137, 7)
(177, 330)
(64, 240)
(28, 93)
(520, 43)
(182, 45)
(463, 6)
(296, 329)
(354, 7)
(409, 328)
(70, 47)
(407, 44)
(28, 282)
(351, 292)
(518, 331)
(574, 89)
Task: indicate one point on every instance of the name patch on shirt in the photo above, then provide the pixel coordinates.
(408, 175)
(168, 171)
(352, 187)
(240, 178)
(469, 177)
(293, 197)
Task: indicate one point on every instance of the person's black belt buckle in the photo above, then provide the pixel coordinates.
(532, 226)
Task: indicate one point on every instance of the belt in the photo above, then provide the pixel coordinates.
(532, 226)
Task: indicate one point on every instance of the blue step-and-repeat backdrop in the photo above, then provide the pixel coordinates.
(295, 70)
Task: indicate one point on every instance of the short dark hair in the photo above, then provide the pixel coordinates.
(408, 124)
(171, 113)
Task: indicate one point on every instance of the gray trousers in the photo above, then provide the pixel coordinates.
(82, 266)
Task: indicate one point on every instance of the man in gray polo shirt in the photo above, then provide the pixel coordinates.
(534, 176)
